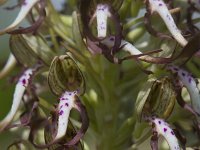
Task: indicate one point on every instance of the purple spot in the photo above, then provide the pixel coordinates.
(183, 74)
(176, 69)
(62, 98)
(66, 104)
(70, 94)
(112, 39)
(190, 79)
(61, 106)
(24, 81)
(165, 129)
(61, 112)
(160, 4)
(159, 122)
(24, 3)
(172, 132)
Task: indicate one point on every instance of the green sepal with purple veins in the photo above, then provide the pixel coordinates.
(29, 49)
(157, 98)
(64, 74)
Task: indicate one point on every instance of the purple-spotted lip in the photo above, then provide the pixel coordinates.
(85, 124)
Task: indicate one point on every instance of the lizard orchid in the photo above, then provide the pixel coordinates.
(20, 88)
(102, 12)
(189, 82)
(67, 102)
(160, 7)
(26, 7)
(160, 127)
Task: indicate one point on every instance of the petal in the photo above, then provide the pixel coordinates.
(191, 85)
(26, 7)
(160, 7)
(102, 14)
(65, 106)
(85, 123)
(17, 97)
(11, 62)
(163, 128)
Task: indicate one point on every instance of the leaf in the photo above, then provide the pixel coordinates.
(76, 31)
(142, 97)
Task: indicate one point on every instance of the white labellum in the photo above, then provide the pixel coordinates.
(189, 82)
(102, 14)
(163, 128)
(17, 97)
(160, 7)
(65, 106)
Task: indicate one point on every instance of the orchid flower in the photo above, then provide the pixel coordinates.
(68, 101)
(11, 62)
(22, 84)
(189, 82)
(27, 5)
(162, 128)
(160, 7)
(65, 106)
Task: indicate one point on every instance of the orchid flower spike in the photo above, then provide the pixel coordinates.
(126, 46)
(20, 88)
(160, 7)
(162, 128)
(67, 102)
(27, 5)
(189, 82)
(11, 62)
